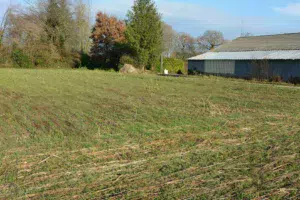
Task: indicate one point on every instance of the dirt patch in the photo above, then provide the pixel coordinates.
(10, 94)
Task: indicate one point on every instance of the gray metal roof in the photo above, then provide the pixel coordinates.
(289, 41)
(250, 55)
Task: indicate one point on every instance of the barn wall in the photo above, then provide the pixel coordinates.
(212, 66)
(219, 67)
(244, 68)
(196, 65)
(285, 68)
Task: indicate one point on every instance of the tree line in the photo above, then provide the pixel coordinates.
(58, 33)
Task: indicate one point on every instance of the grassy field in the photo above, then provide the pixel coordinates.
(67, 134)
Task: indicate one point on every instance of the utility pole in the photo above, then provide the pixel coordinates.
(162, 63)
(242, 27)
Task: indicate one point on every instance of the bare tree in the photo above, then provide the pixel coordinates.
(169, 39)
(82, 27)
(46, 31)
(185, 46)
(211, 39)
(3, 25)
(22, 28)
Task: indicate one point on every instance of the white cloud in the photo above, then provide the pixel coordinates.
(195, 18)
(169, 9)
(290, 9)
(183, 16)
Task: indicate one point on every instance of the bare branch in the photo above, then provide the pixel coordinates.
(211, 39)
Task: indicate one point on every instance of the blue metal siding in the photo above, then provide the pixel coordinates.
(244, 68)
(285, 69)
(226, 67)
(196, 65)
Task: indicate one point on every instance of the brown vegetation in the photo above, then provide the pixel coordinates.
(107, 35)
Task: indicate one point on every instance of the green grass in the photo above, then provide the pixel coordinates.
(97, 135)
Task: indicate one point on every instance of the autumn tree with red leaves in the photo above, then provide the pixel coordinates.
(108, 37)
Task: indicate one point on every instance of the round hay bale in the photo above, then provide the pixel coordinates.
(128, 69)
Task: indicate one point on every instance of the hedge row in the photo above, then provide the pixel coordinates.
(173, 65)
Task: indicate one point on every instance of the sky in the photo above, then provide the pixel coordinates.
(259, 17)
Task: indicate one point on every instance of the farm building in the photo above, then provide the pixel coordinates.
(258, 56)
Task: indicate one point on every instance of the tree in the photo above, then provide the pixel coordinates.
(47, 32)
(144, 32)
(211, 39)
(3, 25)
(1, 35)
(185, 46)
(82, 27)
(107, 34)
(59, 24)
(169, 40)
(25, 38)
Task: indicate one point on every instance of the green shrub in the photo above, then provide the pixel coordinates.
(20, 59)
(173, 65)
(127, 60)
(76, 57)
(111, 70)
(5, 58)
(85, 60)
(43, 55)
(41, 59)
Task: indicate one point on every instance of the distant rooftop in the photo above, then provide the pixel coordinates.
(288, 41)
(250, 55)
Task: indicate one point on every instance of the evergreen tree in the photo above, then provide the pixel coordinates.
(144, 32)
